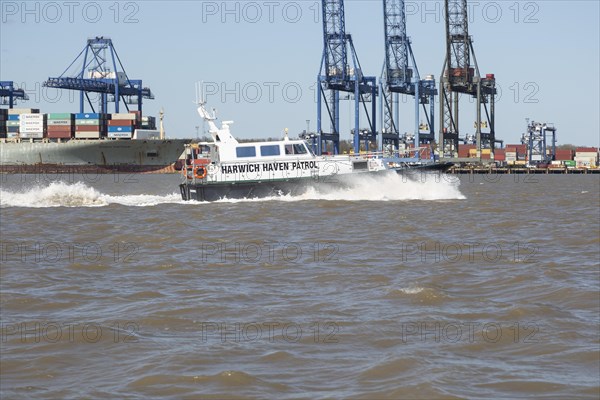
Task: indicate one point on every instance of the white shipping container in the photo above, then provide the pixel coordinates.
(12, 135)
(31, 129)
(63, 122)
(146, 134)
(87, 135)
(126, 116)
(512, 158)
(19, 111)
(536, 157)
(31, 122)
(32, 135)
(119, 135)
(108, 75)
(35, 117)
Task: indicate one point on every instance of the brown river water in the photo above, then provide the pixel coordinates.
(429, 287)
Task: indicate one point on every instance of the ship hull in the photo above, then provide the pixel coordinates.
(287, 187)
(91, 156)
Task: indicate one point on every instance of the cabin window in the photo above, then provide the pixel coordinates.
(247, 151)
(269, 150)
(300, 149)
(295, 149)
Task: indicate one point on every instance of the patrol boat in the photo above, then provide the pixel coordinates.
(228, 169)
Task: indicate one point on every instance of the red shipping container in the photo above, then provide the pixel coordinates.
(586, 150)
(519, 148)
(87, 128)
(59, 128)
(564, 155)
(499, 154)
(463, 150)
(60, 135)
(120, 122)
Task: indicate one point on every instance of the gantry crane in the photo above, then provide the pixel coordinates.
(104, 74)
(536, 139)
(400, 75)
(336, 76)
(9, 94)
(459, 76)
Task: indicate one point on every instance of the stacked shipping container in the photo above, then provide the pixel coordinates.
(586, 157)
(90, 126)
(148, 123)
(3, 118)
(470, 151)
(25, 123)
(32, 126)
(60, 126)
(121, 125)
(28, 123)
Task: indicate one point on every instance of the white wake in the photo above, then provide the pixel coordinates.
(391, 187)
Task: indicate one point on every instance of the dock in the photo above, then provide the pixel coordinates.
(520, 170)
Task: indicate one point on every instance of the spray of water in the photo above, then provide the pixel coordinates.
(390, 187)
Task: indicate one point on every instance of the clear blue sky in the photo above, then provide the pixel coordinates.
(260, 59)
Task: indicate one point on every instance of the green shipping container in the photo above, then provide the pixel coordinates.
(60, 116)
(569, 163)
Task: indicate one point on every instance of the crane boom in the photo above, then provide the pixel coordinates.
(397, 48)
(335, 40)
(101, 72)
(401, 76)
(461, 75)
(458, 47)
(341, 72)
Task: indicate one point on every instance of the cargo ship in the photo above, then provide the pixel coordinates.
(227, 169)
(31, 142)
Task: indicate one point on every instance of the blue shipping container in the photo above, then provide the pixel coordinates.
(12, 129)
(88, 116)
(13, 117)
(119, 128)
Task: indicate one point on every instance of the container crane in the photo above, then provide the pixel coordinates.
(400, 75)
(101, 72)
(10, 94)
(536, 139)
(336, 76)
(459, 76)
